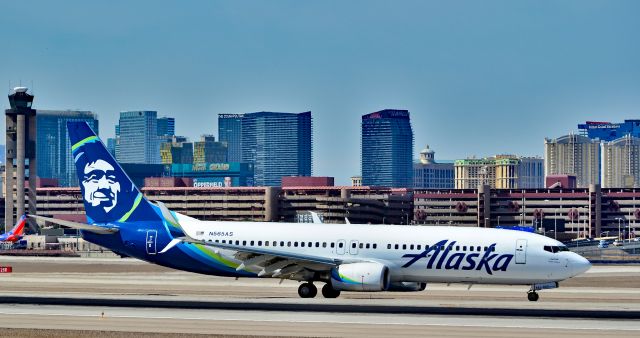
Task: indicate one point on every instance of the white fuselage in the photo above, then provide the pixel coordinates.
(467, 255)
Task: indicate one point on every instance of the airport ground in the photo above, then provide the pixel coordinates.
(91, 297)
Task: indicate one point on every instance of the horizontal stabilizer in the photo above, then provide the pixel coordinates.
(75, 225)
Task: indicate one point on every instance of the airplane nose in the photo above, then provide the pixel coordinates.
(579, 264)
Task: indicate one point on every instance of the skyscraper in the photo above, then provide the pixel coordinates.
(621, 163)
(137, 137)
(53, 148)
(166, 126)
(387, 148)
(177, 151)
(573, 155)
(607, 131)
(207, 150)
(230, 132)
(278, 144)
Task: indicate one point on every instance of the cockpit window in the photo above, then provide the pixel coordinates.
(554, 248)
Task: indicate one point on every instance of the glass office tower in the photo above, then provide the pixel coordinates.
(230, 132)
(137, 137)
(278, 144)
(53, 149)
(387, 146)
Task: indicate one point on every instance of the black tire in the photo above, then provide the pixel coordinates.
(307, 290)
(533, 296)
(329, 292)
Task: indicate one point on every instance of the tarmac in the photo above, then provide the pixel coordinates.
(88, 297)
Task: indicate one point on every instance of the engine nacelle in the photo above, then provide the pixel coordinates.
(407, 286)
(366, 276)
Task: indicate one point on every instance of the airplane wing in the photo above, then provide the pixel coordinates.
(267, 262)
(75, 225)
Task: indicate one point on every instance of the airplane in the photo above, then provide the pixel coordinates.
(345, 257)
(16, 233)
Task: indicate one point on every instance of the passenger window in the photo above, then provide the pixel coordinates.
(310, 244)
(375, 246)
(389, 246)
(324, 244)
(397, 246)
(353, 245)
(361, 245)
(217, 241)
(426, 247)
(486, 248)
(281, 243)
(288, 244)
(244, 243)
(295, 244)
(251, 243)
(340, 245)
(317, 244)
(237, 242)
(404, 247)
(479, 249)
(259, 243)
(457, 248)
(266, 243)
(419, 247)
(224, 242)
(368, 246)
(411, 247)
(333, 245)
(302, 244)
(470, 248)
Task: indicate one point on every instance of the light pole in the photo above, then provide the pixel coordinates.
(619, 219)
(555, 224)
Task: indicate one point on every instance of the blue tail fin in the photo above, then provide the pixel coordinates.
(109, 194)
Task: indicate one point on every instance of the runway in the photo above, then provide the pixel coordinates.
(138, 297)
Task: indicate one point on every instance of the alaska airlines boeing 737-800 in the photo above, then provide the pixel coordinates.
(346, 257)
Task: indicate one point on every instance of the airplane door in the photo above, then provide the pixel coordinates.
(521, 251)
(353, 248)
(151, 242)
(341, 246)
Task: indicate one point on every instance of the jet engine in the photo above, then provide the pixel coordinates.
(365, 276)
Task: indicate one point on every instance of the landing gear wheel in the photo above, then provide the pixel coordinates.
(329, 292)
(307, 290)
(532, 296)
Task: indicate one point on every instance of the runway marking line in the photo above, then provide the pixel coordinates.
(324, 322)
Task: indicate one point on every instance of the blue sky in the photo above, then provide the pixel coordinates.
(479, 77)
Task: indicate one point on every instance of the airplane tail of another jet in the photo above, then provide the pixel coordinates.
(18, 229)
(109, 195)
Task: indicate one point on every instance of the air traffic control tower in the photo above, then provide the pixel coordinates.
(20, 156)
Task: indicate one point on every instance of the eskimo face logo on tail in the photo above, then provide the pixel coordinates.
(108, 194)
(101, 187)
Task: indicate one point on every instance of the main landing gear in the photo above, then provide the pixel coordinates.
(532, 296)
(308, 290)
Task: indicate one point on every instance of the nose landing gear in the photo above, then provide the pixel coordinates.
(532, 296)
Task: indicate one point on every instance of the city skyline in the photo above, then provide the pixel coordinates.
(490, 71)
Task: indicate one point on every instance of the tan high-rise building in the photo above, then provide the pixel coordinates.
(621, 163)
(500, 172)
(573, 155)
